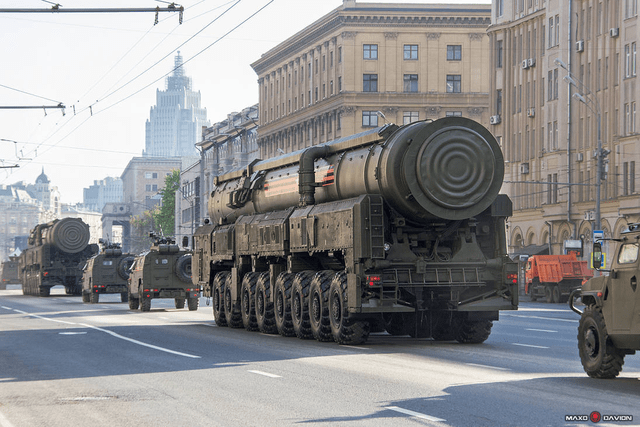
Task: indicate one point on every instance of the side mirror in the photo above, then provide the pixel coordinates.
(596, 253)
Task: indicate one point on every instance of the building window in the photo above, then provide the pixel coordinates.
(633, 59)
(499, 53)
(499, 101)
(339, 83)
(411, 51)
(453, 114)
(370, 51)
(369, 119)
(409, 117)
(339, 54)
(627, 53)
(370, 83)
(453, 83)
(410, 83)
(454, 52)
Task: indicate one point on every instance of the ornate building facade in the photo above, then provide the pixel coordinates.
(364, 64)
(563, 79)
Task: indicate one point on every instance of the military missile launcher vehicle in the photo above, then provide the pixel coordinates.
(162, 272)
(398, 226)
(55, 255)
(106, 273)
(609, 327)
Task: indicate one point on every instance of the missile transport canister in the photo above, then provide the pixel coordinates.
(55, 255)
(396, 228)
(106, 273)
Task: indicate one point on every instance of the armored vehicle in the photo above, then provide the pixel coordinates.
(396, 227)
(55, 255)
(9, 272)
(609, 326)
(106, 273)
(162, 272)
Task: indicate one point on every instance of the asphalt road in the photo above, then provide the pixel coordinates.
(65, 363)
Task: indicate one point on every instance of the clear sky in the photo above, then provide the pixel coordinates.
(108, 67)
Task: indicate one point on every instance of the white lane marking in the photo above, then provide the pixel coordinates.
(155, 347)
(541, 318)
(528, 345)
(6, 308)
(44, 318)
(106, 331)
(540, 330)
(71, 333)
(415, 414)
(4, 422)
(488, 367)
(354, 346)
(266, 374)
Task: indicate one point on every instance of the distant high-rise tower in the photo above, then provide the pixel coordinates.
(175, 123)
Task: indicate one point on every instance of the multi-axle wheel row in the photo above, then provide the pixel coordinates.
(307, 304)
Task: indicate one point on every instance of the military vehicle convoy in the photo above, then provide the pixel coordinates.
(609, 326)
(162, 272)
(400, 228)
(106, 273)
(55, 255)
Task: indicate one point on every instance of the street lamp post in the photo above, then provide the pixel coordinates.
(591, 101)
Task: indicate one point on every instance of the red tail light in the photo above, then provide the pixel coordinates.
(374, 280)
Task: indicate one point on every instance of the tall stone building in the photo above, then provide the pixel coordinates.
(364, 64)
(176, 121)
(108, 190)
(549, 124)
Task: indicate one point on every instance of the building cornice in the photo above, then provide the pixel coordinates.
(391, 18)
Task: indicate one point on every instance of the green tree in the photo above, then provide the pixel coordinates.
(165, 217)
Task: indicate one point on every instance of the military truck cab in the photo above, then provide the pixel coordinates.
(106, 273)
(162, 272)
(609, 326)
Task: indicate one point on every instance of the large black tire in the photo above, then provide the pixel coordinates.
(217, 293)
(300, 304)
(548, 295)
(555, 294)
(265, 313)
(145, 304)
(344, 328)
(599, 357)
(179, 303)
(183, 268)
(45, 291)
(124, 297)
(123, 266)
(319, 305)
(473, 332)
(247, 301)
(282, 304)
(442, 326)
(86, 297)
(192, 303)
(94, 298)
(133, 303)
(231, 308)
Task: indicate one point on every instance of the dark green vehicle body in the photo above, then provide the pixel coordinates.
(106, 273)
(609, 326)
(162, 272)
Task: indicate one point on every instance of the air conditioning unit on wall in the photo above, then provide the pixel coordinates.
(494, 120)
(525, 64)
(614, 32)
(580, 45)
(579, 157)
(524, 168)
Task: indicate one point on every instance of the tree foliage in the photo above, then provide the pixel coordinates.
(164, 218)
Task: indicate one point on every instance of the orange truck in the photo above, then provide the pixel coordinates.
(555, 276)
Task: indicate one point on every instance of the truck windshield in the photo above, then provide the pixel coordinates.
(628, 253)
